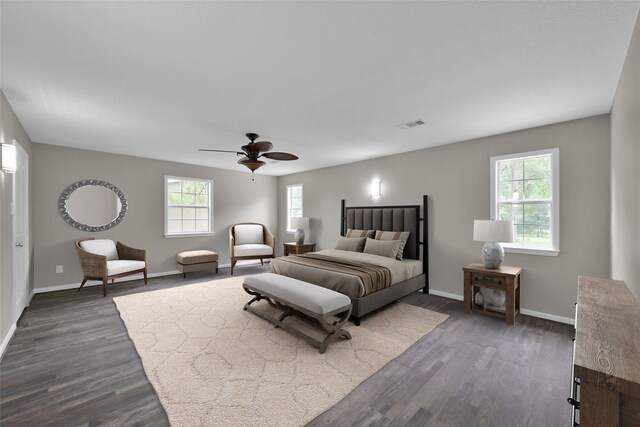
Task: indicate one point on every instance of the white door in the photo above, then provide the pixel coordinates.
(20, 232)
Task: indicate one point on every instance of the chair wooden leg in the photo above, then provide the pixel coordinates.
(144, 273)
(233, 264)
(82, 284)
(104, 286)
(261, 261)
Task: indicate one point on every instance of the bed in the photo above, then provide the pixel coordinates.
(405, 277)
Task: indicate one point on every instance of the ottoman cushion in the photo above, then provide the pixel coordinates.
(196, 257)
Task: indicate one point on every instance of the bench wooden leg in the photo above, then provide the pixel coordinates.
(334, 329)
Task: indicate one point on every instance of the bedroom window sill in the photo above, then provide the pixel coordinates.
(531, 251)
(173, 236)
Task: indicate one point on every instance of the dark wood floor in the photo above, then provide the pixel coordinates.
(71, 363)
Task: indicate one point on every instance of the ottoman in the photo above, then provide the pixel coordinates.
(190, 261)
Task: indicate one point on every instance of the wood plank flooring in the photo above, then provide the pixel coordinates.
(71, 363)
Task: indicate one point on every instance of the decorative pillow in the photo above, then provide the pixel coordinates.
(246, 234)
(353, 244)
(385, 248)
(360, 233)
(403, 236)
(103, 247)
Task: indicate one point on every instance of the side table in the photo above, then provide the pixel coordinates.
(298, 249)
(504, 278)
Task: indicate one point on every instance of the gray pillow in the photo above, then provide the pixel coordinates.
(385, 248)
(353, 244)
(351, 232)
(403, 236)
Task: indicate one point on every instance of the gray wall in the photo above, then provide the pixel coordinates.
(236, 198)
(456, 177)
(625, 171)
(10, 129)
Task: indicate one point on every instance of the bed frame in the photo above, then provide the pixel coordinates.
(390, 218)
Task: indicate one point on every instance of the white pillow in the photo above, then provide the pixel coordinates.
(246, 234)
(103, 247)
(385, 248)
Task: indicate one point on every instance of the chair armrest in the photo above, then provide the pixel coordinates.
(129, 253)
(92, 265)
(232, 242)
(270, 239)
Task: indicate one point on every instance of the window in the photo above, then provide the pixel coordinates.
(524, 189)
(294, 204)
(188, 206)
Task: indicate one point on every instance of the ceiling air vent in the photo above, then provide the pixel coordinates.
(411, 124)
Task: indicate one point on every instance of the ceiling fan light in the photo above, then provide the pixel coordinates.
(252, 164)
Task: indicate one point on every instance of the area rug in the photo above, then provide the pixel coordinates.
(214, 364)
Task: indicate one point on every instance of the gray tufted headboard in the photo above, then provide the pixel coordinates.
(391, 218)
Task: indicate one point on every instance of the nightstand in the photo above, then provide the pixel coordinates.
(298, 249)
(504, 278)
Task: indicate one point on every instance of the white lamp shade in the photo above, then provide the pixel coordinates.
(485, 230)
(9, 158)
(300, 223)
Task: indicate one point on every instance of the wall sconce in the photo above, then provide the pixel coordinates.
(9, 158)
(375, 188)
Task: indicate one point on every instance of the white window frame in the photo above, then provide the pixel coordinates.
(289, 187)
(555, 201)
(166, 208)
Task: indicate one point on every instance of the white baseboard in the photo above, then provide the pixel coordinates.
(533, 313)
(567, 320)
(98, 283)
(124, 279)
(6, 339)
(445, 295)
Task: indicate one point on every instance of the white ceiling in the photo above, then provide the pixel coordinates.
(328, 81)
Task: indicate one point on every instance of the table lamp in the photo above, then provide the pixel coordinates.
(300, 223)
(492, 232)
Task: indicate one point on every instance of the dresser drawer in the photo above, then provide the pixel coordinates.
(487, 280)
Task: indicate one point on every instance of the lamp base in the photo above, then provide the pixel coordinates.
(299, 236)
(492, 254)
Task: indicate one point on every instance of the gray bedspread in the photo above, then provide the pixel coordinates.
(344, 283)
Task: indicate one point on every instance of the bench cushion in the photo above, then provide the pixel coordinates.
(252, 250)
(311, 297)
(196, 257)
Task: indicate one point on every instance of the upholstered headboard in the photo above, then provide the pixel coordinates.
(392, 218)
(388, 218)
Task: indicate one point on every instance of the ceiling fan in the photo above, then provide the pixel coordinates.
(253, 151)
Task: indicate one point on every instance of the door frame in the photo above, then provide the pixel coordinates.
(18, 304)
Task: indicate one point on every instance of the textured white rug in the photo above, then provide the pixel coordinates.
(214, 364)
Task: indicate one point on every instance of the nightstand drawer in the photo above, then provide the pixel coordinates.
(486, 280)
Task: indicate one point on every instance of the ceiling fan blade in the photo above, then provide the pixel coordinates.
(221, 151)
(280, 156)
(262, 146)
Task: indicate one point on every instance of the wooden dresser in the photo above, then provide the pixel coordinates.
(606, 355)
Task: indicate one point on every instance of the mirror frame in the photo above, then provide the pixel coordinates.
(64, 197)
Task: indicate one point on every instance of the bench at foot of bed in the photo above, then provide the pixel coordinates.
(295, 296)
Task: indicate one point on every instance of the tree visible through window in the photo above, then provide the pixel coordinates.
(525, 191)
(188, 206)
(294, 203)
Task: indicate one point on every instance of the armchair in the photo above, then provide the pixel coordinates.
(104, 260)
(250, 240)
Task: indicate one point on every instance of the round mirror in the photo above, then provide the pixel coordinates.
(92, 205)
